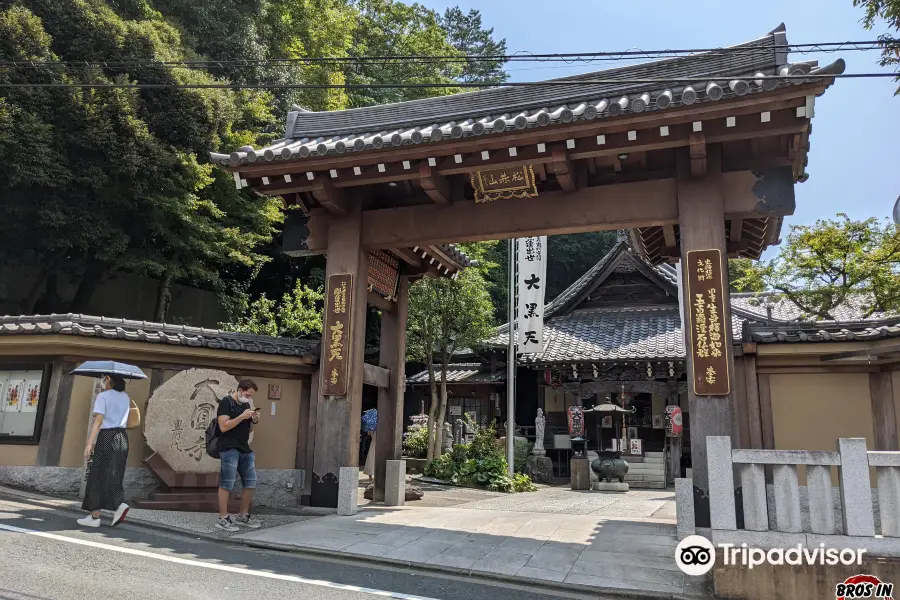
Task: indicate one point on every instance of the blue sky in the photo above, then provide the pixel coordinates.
(854, 163)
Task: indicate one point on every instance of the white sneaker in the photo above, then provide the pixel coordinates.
(120, 515)
(89, 521)
(226, 523)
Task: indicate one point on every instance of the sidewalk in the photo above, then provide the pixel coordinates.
(554, 538)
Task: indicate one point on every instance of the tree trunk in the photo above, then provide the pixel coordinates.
(163, 298)
(51, 302)
(34, 293)
(442, 410)
(432, 412)
(90, 281)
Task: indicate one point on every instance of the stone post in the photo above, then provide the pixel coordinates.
(721, 483)
(856, 488)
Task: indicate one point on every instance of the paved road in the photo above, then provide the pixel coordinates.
(44, 555)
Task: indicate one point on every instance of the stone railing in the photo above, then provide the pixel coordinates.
(783, 513)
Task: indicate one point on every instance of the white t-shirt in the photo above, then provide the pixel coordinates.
(114, 407)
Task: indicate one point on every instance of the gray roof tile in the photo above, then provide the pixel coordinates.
(458, 373)
(143, 331)
(502, 109)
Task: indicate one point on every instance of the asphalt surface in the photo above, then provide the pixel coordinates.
(45, 555)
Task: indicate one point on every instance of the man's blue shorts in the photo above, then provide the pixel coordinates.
(236, 463)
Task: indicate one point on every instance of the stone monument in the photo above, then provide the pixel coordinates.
(447, 439)
(178, 413)
(539, 466)
(539, 423)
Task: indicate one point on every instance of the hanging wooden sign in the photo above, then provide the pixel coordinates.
(705, 309)
(497, 184)
(336, 336)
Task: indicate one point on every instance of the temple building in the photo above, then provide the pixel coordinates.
(615, 335)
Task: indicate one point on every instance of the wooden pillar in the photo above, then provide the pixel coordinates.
(392, 356)
(754, 415)
(884, 419)
(314, 387)
(56, 413)
(338, 417)
(701, 218)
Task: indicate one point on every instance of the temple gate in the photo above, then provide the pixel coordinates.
(696, 153)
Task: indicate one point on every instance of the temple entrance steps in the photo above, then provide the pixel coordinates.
(648, 474)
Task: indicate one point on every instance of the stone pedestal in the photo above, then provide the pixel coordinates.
(348, 490)
(540, 468)
(395, 483)
(581, 473)
(604, 486)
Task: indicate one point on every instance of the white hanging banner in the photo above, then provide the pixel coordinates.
(532, 267)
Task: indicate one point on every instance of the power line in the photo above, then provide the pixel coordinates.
(574, 57)
(557, 83)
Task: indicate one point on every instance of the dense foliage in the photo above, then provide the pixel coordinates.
(834, 263)
(479, 463)
(104, 180)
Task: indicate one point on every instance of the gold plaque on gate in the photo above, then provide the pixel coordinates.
(709, 330)
(498, 184)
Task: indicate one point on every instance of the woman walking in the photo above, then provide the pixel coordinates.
(107, 454)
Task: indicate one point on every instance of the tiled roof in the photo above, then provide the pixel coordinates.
(155, 333)
(458, 373)
(830, 331)
(504, 109)
(755, 305)
(612, 334)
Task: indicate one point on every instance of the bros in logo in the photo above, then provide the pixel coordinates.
(863, 586)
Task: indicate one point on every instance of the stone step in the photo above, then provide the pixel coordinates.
(654, 454)
(646, 471)
(646, 485)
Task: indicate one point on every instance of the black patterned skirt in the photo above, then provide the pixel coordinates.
(106, 470)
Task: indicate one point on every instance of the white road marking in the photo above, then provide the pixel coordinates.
(205, 565)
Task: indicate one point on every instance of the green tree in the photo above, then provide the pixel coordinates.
(740, 278)
(99, 180)
(467, 35)
(889, 12)
(444, 316)
(833, 263)
(298, 314)
(390, 28)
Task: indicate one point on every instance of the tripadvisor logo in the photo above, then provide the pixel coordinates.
(695, 555)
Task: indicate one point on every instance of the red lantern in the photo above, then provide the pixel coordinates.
(674, 421)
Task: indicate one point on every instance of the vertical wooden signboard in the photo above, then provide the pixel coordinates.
(336, 336)
(705, 309)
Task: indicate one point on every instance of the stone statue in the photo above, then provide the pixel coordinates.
(447, 439)
(459, 434)
(539, 422)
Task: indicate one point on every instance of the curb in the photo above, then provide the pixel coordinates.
(540, 585)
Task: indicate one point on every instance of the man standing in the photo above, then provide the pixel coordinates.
(236, 418)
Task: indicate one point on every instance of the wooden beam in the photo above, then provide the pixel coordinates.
(698, 155)
(407, 256)
(737, 229)
(620, 206)
(333, 199)
(380, 302)
(753, 407)
(564, 170)
(376, 376)
(669, 236)
(436, 186)
(765, 411)
(884, 416)
(865, 352)
(56, 413)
